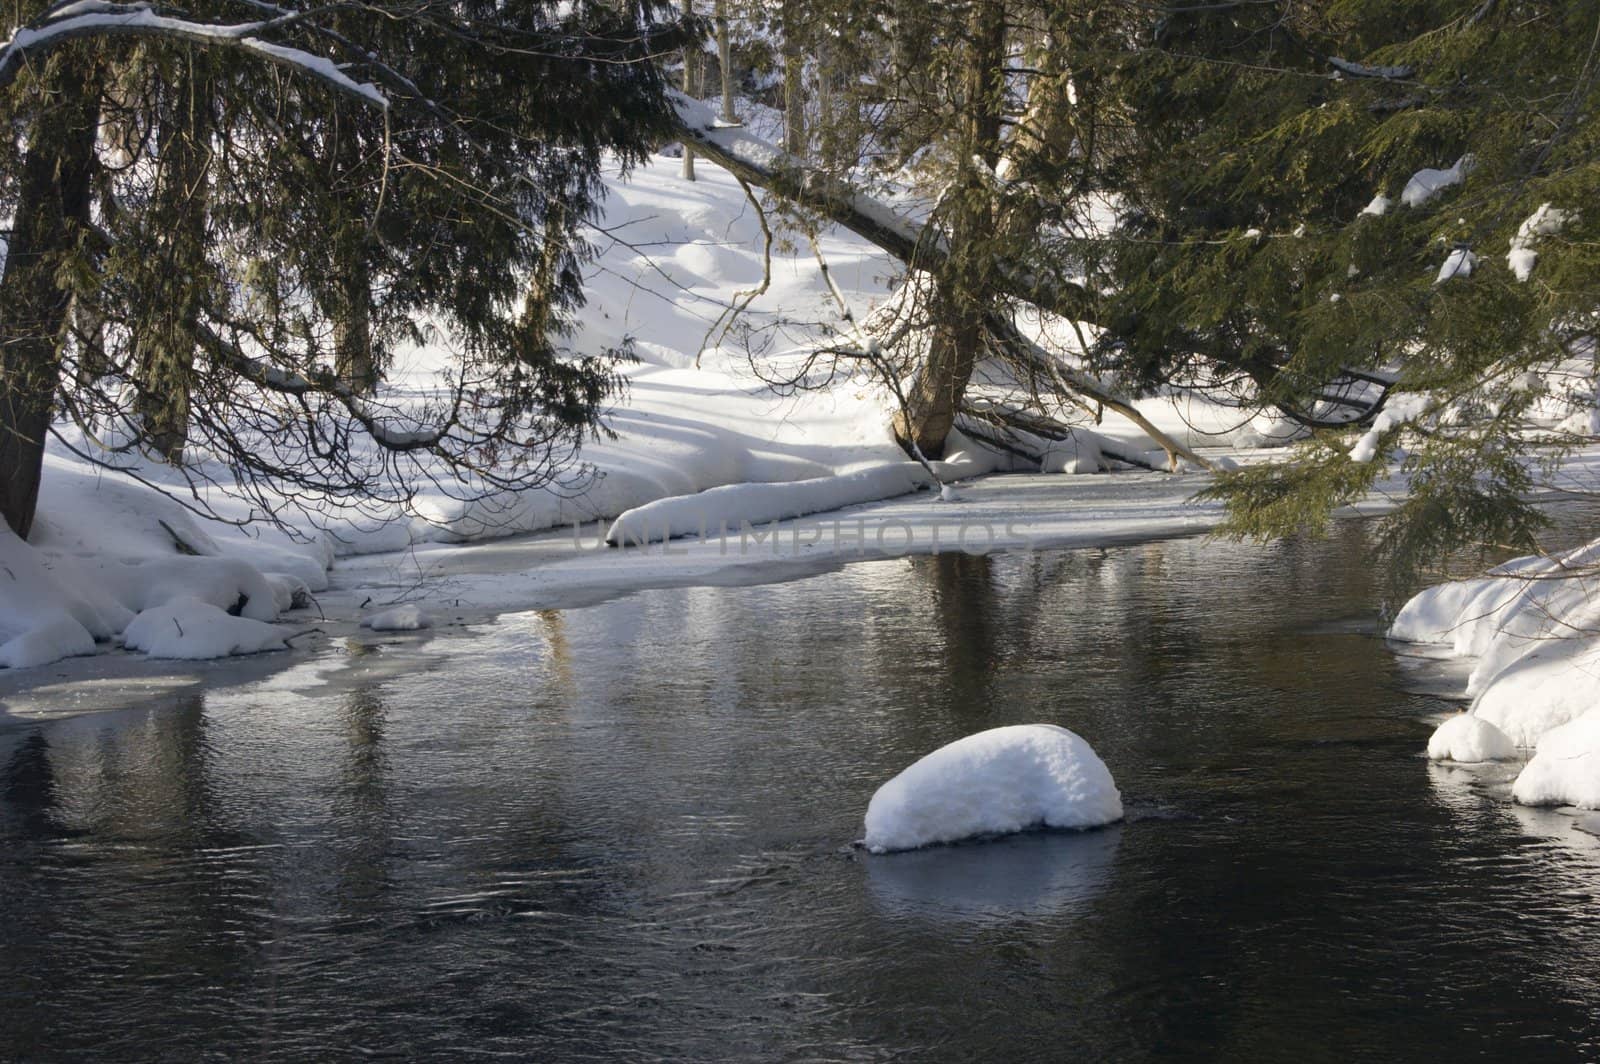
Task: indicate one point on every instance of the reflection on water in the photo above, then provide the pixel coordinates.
(1040, 873)
(623, 832)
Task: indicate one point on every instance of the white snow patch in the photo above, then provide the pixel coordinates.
(1468, 739)
(1556, 681)
(1566, 768)
(1401, 408)
(406, 618)
(191, 629)
(992, 783)
(735, 506)
(1428, 183)
(1546, 221)
(1459, 263)
(1379, 206)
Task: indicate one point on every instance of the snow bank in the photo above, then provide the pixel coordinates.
(407, 618)
(734, 505)
(1566, 769)
(1468, 739)
(995, 782)
(189, 628)
(110, 557)
(44, 617)
(1554, 682)
(1531, 626)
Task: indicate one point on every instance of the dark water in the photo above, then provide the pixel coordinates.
(622, 833)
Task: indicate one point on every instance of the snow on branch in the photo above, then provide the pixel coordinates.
(285, 382)
(1362, 70)
(101, 18)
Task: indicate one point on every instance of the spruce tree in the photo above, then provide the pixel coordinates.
(317, 230)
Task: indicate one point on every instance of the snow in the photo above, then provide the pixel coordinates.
(1459, 263)
(406, 618)
(736, 506)
(995, 782)
(92, 19)
(1377, 208)
(1400, 409)
(1427, 183)
(186, 627)
(1566, 768)
(1546, 221)
(1469, 739)
(1553, 682)
(45, 616)
(700, 436)
(1530, 624)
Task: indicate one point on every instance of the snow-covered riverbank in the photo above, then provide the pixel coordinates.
(697, 414)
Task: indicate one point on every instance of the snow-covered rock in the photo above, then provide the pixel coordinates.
(1469, 739)
(406, 618)
(995, 782)
(190, 628)
(1566, 768)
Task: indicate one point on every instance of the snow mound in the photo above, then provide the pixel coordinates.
(1379, 206)
(1566, 769)
(1468, 739)
(45, 612)
(992, 783)
(407, 618)
(732, 506)
(1556, 681)
(192, 629)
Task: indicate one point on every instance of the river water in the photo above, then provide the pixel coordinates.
(623, 832)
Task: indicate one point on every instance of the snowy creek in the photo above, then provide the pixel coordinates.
(624, 832)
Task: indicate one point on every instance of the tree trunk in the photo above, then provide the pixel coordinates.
(53, 196)
(725, 61)
(690, 88)
(828, 139)
(794, 90)
(167, 344)
(538, 307)
(352, 326)
(353, 360)
(963, 285)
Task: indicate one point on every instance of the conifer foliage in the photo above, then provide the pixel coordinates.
(227, 215)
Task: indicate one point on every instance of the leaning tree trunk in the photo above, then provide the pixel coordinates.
(963, 286)
(167, 345)
(52, 215)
